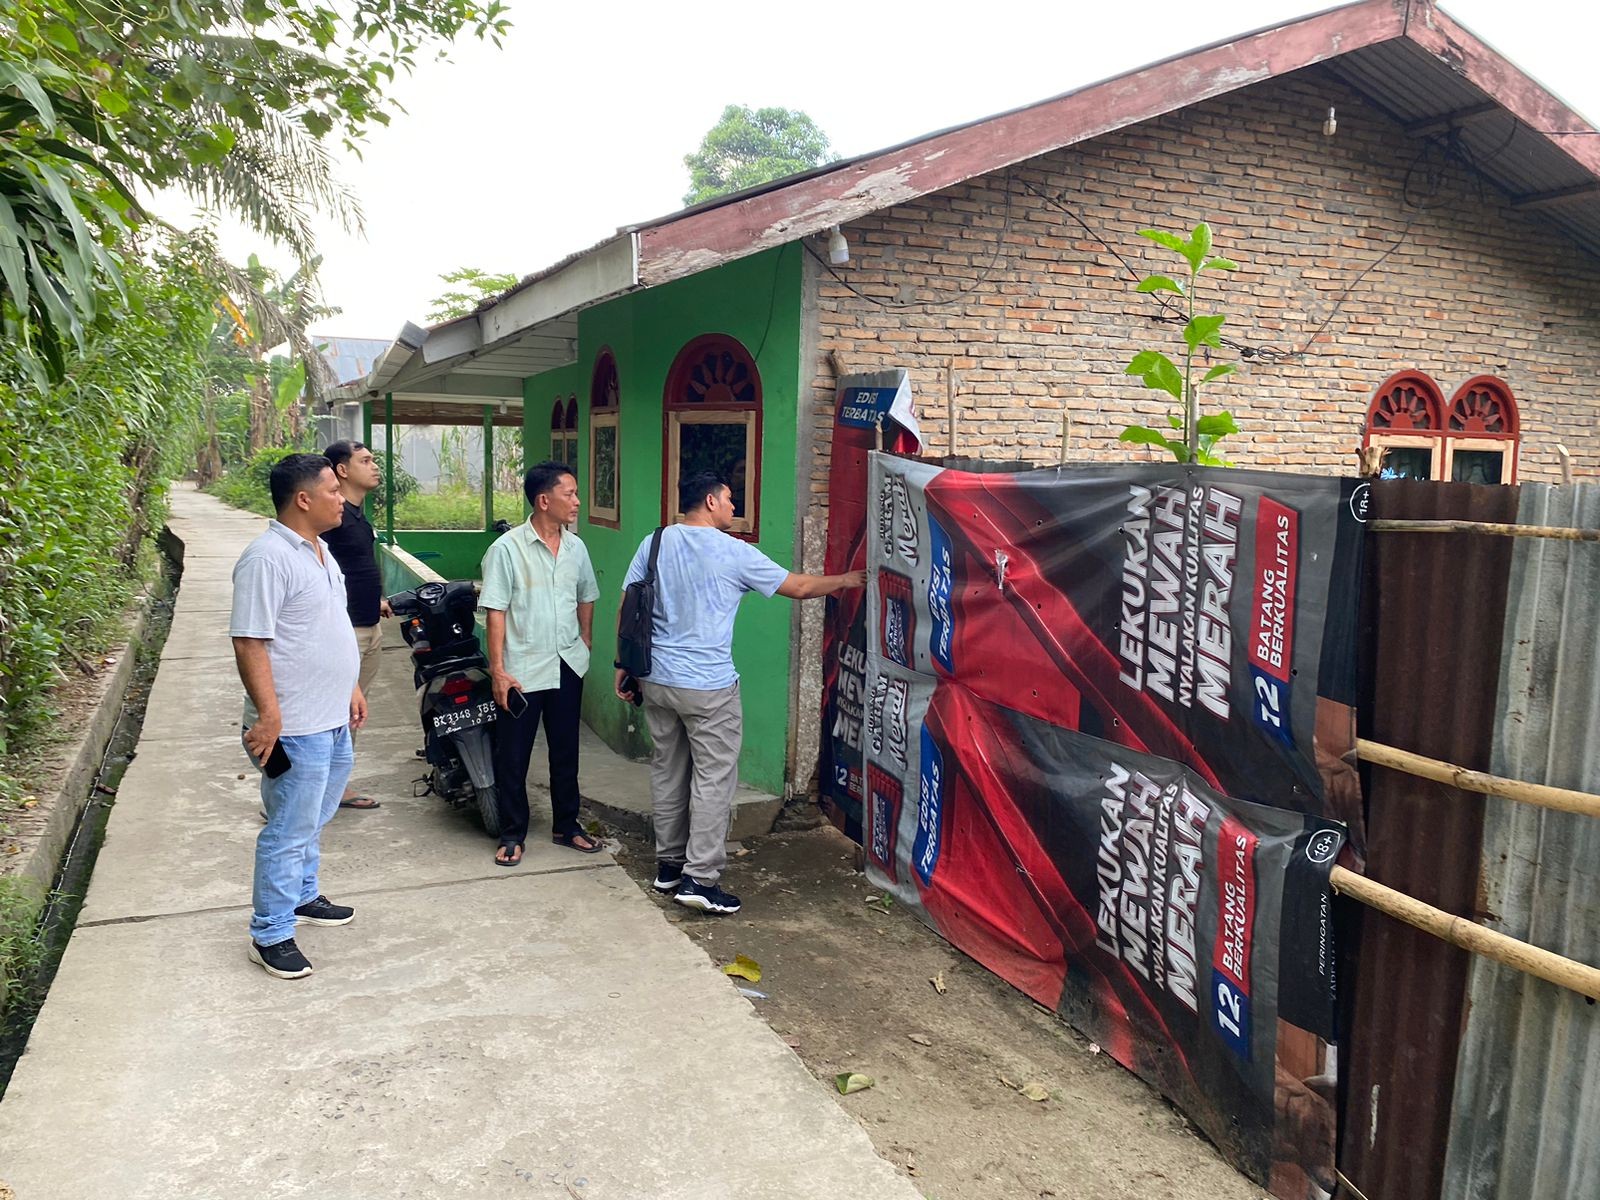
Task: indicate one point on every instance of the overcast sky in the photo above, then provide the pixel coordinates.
(509, 160)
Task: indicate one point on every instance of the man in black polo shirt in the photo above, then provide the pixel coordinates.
(353, 545)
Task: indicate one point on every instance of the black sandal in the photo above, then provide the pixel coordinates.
(508, 862)
(565, 839)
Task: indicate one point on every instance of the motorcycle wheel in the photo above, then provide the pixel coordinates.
(489, 811)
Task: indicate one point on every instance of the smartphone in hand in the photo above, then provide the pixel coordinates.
(516, 702)
(277, 762)
(635, 692)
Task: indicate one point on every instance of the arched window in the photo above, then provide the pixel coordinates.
(564, 431)
(712, 411)
(1481, 433)
(1472, 439)
(605, 406)
(1406, 419)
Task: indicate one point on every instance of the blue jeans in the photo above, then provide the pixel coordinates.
(298, 803)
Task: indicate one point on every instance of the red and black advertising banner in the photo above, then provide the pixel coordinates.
(1105, 710)
(873, 411)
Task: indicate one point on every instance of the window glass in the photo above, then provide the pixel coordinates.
(1407, 462)
(604, 474)
(1477, 466)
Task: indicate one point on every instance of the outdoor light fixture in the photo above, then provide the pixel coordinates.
(1331, 125)
(838, 248)
(503, 406)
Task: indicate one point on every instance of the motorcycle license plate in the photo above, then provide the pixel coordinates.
(467, 716)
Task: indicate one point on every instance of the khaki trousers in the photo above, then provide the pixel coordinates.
(694, 773)
(369, 640)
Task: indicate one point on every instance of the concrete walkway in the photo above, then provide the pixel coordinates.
(475, 1032)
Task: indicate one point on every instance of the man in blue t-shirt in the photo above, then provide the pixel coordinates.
(691, 696)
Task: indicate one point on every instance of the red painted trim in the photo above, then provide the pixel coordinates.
(698, 240)
(603, 356)
(1424, 383)
(1519, 94)
(680, 364)
(1501, 392)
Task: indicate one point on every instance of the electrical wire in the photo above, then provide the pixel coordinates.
(948, 298)
(772, 301)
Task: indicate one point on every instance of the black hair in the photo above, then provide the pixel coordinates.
(293, 474)
(342, 452)
(543, 477)
(693, 491)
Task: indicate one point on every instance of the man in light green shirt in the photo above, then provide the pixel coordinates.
(539, 591)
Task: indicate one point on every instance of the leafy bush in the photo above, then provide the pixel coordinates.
(248, 484)
(84, 468)
(454, 509)
(405, 484)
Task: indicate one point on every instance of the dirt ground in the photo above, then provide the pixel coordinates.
(848, 986)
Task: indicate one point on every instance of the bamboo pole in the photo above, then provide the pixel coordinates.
(1469, 935)
(950, 401)
(1561, 799)
(1558, 532)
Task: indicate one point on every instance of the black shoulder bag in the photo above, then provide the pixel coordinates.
(636, 628)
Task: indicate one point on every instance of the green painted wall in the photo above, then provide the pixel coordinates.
(758, 301)
(397, 576)
(454, 553)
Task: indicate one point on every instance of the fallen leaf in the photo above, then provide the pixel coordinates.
(938, 983)
(13, 849)
(1036, 1092)
(852, 1082)
(1006, 1081)
(920, 1039)
(744, 968)
(30, 802)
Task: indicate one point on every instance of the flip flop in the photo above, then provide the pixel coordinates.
(362, 802)
(508, 862)
(565, 839)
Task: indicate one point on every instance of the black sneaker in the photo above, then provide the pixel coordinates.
(281, 960)
(323, 911)
(707, 897)
(668, 875)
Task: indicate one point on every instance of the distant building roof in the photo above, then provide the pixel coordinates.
(350, 358)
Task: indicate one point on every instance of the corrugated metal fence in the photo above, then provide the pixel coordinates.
(1466, 1080)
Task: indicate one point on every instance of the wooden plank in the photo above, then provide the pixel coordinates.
(1519, 94)
(701, 240)
(1558, 196)
(1451, 120)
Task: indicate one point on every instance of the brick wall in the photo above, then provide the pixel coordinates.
(1044, 329)
(1039, 318)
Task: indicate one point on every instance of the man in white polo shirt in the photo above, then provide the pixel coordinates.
(298, 658)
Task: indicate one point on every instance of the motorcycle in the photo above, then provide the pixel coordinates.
(455, 695)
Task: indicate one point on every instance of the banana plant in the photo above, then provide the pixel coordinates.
(1197, 433)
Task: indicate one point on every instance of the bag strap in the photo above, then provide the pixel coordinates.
(655, 553)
